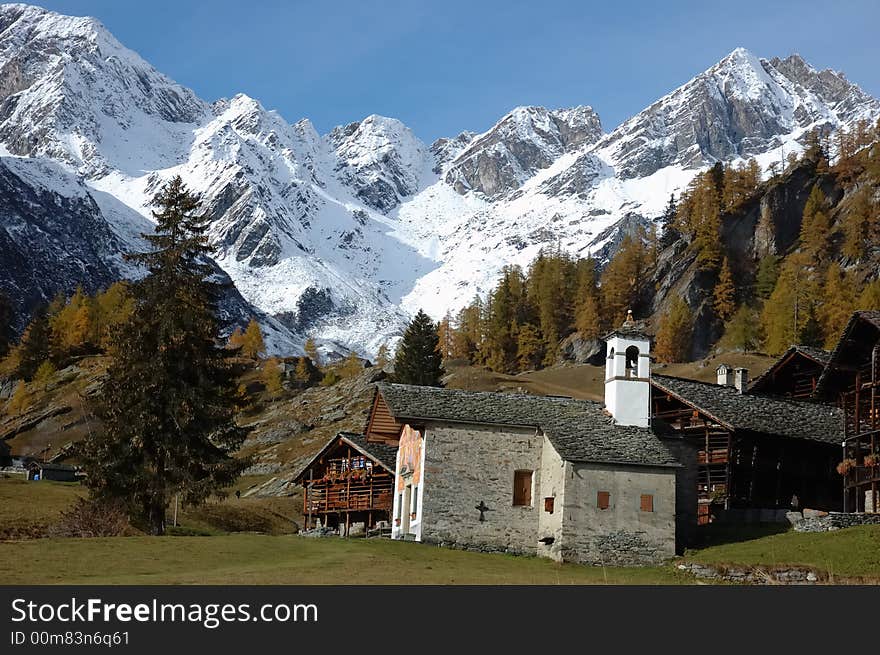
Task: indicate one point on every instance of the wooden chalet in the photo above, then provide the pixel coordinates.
(851, 379)
(795, 374)
(755, 451)
(350, 480)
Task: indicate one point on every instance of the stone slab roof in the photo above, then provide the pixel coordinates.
(580, 430)
(781, 417)
(821, 357)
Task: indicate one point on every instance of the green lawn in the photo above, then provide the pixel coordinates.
(27, 509)
(850, 553)
(263, 559)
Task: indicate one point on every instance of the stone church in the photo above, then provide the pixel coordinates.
(571, 480)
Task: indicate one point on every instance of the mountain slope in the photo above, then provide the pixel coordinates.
(343, 236)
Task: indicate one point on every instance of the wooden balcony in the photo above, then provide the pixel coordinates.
(349, 494)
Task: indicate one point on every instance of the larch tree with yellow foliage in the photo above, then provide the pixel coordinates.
(674, 333)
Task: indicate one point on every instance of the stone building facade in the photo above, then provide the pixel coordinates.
(548, 476)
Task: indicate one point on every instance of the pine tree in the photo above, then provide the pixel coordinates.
(169, 400)
(311, 350)
(669, 233)
(273, 377)
(253, 345)
(725, 293)
(767, 275)
(673, 342)
(418, 360)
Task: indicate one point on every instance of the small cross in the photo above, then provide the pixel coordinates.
(483, 508)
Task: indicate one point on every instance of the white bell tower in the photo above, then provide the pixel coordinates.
(628, 374)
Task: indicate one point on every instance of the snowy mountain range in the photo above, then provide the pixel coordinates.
(343, 236)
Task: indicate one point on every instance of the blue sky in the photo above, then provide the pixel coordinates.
(447, 66)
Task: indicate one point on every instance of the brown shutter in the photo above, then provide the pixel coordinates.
(647, 503)
(522, 488)
(603, 500)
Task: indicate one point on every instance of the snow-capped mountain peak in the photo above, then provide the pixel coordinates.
(341, 236)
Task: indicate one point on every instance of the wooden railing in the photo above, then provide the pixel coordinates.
(347, 495)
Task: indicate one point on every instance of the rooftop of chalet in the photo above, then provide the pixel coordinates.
(580, 430)
(781, 417)
(383, 454)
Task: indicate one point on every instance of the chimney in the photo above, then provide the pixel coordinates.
(725, 375)
(741, 379)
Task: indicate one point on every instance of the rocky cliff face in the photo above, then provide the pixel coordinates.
(368, 218)
(768, 224)
(525, 141)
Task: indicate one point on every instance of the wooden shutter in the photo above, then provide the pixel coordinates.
(647, 503)
(522, 488)
(548, 505)
(603, 500)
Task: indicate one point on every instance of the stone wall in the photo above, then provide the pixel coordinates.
(623, 534)
(835, 521)
(554, 472)
(467, 465)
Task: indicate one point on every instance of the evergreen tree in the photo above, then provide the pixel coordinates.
(725, 293)
(169, 400)
(253, 345)
(669, 234)
(418, 359)
(765, 278)
(674, 332)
